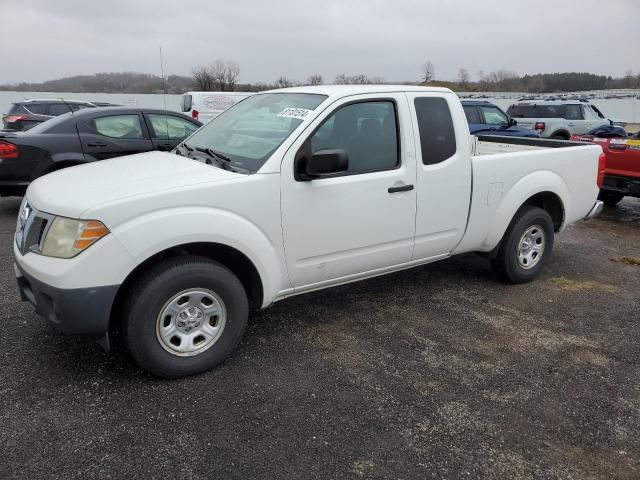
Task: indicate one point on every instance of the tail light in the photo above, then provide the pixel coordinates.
(601, 166)
(539, 127)
(8, 150)
(14, 118)
(194, 114)
(617, 144)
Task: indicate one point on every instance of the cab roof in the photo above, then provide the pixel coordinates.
(347, 90)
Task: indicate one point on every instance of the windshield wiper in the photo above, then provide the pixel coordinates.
(212, 153)
(221, 160)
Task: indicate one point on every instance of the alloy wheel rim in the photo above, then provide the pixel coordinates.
(191, 322)
(531, 247)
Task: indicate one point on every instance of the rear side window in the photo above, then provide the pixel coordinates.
(536, 111)
(56, 109)
(80, 106)
(437, 137)
(118, 126)
(472, 114)
(367, 131)
(37, 108)
(573, 112)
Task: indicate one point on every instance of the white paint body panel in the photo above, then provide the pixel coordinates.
(303, 236)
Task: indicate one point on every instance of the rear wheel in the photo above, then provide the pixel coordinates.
(525, 247)
(559, 136)
(185, 316)
(610, 198)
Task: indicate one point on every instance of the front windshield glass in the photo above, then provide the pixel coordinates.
(250, 131)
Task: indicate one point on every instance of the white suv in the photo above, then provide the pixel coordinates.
(558, 119)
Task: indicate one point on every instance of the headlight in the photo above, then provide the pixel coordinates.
(68, 237)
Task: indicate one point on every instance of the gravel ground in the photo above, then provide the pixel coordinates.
(436, 372)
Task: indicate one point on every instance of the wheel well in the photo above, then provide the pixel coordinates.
(231, 258)
(561, 133)
(550, 202)
(62, 164)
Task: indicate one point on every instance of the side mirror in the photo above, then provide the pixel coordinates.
(323, 163)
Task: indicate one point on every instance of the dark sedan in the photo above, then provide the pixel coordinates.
(25, 115)
(86, 136)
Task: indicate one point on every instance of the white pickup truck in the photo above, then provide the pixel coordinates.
(286, 192)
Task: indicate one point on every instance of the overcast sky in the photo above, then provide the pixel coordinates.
(47, 39)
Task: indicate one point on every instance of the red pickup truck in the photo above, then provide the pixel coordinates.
(622, 166)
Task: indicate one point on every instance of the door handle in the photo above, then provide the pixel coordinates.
(96, 144)
(401, 188)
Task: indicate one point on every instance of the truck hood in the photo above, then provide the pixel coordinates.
(71, 191)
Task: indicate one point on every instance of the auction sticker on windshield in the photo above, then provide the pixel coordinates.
(294, 113)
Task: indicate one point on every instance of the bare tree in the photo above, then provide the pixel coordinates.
(283, 82)
(231, 74)
(315, 79)
(463, 77)
(360, 79)
(218, 72)
(203, 78)
(428, 72)
(221, 75)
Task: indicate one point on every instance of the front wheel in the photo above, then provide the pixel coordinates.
(525, 247)
(185, 316)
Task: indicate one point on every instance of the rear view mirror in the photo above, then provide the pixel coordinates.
(323, 163)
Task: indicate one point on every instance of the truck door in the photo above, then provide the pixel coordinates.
(443, 173)
(360, 220)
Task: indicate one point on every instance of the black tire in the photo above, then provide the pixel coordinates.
(610, 198)
(148, 298)
(506, 265)
(559, 136)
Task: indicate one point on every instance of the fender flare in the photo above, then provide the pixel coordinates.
(543, 181)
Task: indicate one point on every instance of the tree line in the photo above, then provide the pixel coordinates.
(509, 81)
(224, 75)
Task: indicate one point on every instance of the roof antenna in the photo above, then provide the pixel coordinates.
(164, 94)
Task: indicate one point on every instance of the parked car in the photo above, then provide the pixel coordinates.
(25, 115)
(83, 137)
(487, 119)
(558, 119)
(622, 164)
(204, 106)
(295, 190)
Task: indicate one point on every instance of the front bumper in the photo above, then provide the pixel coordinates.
(595, 210)
(82, 311)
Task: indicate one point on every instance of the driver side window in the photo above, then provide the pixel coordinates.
(493, 116)
(367, 131)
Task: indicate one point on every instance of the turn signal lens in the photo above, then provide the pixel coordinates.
(67, 237)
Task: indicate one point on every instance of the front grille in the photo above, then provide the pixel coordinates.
(32, 227)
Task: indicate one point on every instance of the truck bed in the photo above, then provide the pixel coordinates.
(492, 144)
(499, 164)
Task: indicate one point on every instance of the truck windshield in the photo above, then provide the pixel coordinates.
(250, 131)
